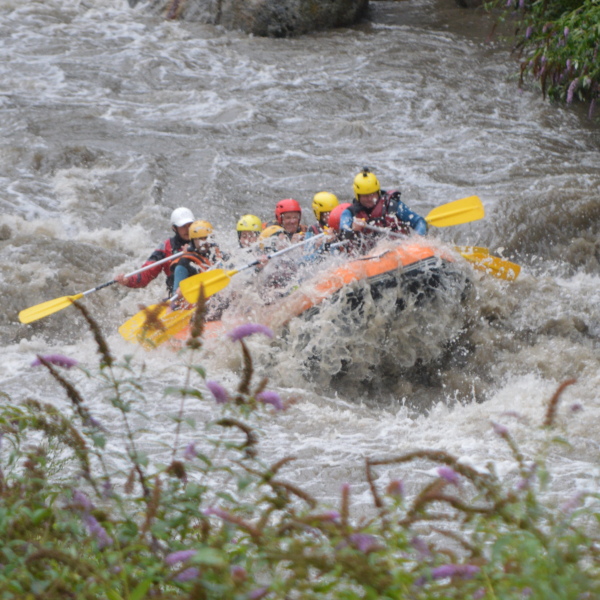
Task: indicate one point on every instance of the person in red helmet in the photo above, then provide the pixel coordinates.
(288, 214)
(181, 219)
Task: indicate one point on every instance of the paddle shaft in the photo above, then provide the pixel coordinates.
(280, 252)
(217, 279)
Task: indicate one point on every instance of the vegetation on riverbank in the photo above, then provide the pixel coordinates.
(85, 513)
(557, 43)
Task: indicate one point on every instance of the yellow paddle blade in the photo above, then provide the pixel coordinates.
(457, 212)
(213, 281)
(493, 265)
(39, 311)
(155, 325)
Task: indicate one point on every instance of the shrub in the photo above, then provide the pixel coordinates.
(215, 521)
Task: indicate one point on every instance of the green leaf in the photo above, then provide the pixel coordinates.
(113, 595)
(141, 589)
(209, 556)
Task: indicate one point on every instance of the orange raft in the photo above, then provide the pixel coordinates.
(417, 267)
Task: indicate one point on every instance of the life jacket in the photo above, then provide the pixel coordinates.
(383, 214)
(199, 262)
(315, 229)
(301, 229)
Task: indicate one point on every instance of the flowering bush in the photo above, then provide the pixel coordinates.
(217, 522)
(558, 43)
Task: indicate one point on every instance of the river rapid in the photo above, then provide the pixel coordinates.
(111, 118)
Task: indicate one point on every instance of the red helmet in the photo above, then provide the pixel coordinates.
(288, 205)
(336, 214)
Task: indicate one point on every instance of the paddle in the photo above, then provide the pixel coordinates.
(215, 280)
(39, 311)
(141, 326)
(458, 212)
(493, 265)
(481, 257)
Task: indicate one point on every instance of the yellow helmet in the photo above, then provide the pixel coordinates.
(267, 233)
(249, 223)
(200, 229)
(323, 202)
(365, 183)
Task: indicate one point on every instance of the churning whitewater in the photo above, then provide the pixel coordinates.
(112, 118)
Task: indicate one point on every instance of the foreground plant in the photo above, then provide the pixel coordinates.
(558, 43)
(85, 513)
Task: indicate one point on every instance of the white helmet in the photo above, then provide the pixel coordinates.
(182, 216)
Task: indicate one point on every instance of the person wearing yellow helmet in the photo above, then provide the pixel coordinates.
(201, 255)
(181, 219)
(379, 208)
(248, 228)
(323, 203)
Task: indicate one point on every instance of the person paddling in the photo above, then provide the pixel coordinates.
(323, 203)
(201, 255)
(248, 228)
(288, 214)
(374, 206)
(181, 219)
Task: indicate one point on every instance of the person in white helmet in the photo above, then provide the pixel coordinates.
(181, 219)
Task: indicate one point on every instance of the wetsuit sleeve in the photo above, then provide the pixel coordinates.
(346, 221)
(416, 222)
(180, 274)
(141, 280)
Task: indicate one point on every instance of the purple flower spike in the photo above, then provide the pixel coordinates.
(81, 501)
(97, 531)
(528, 32)
(258, 594)
(58, 360)
(187, 575)
(243, 331)
(190, 451)
(480, 593)
(268, 397)
(462, 571)
(179, 556)
(500, 430)
(218, 391)
(566, 32)
(364, 542)
(571, 91)
(395, 488)
(449, 475)
(238, 573)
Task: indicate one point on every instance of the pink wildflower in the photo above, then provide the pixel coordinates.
(82, 501)
(500, 430)
(258, 593)
(97, 531)
(58, 360)
(462, 571)
(395, 488)
(270, 397)
(218, 391)
(364, 542)
(179, 556)
(190, 451)
(243, 331)
(238, 574)
(188, 575)
(571, 91)
(449, 475)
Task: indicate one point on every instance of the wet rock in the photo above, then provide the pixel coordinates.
(267, 18)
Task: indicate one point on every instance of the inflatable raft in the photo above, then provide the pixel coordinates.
(415, 269)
